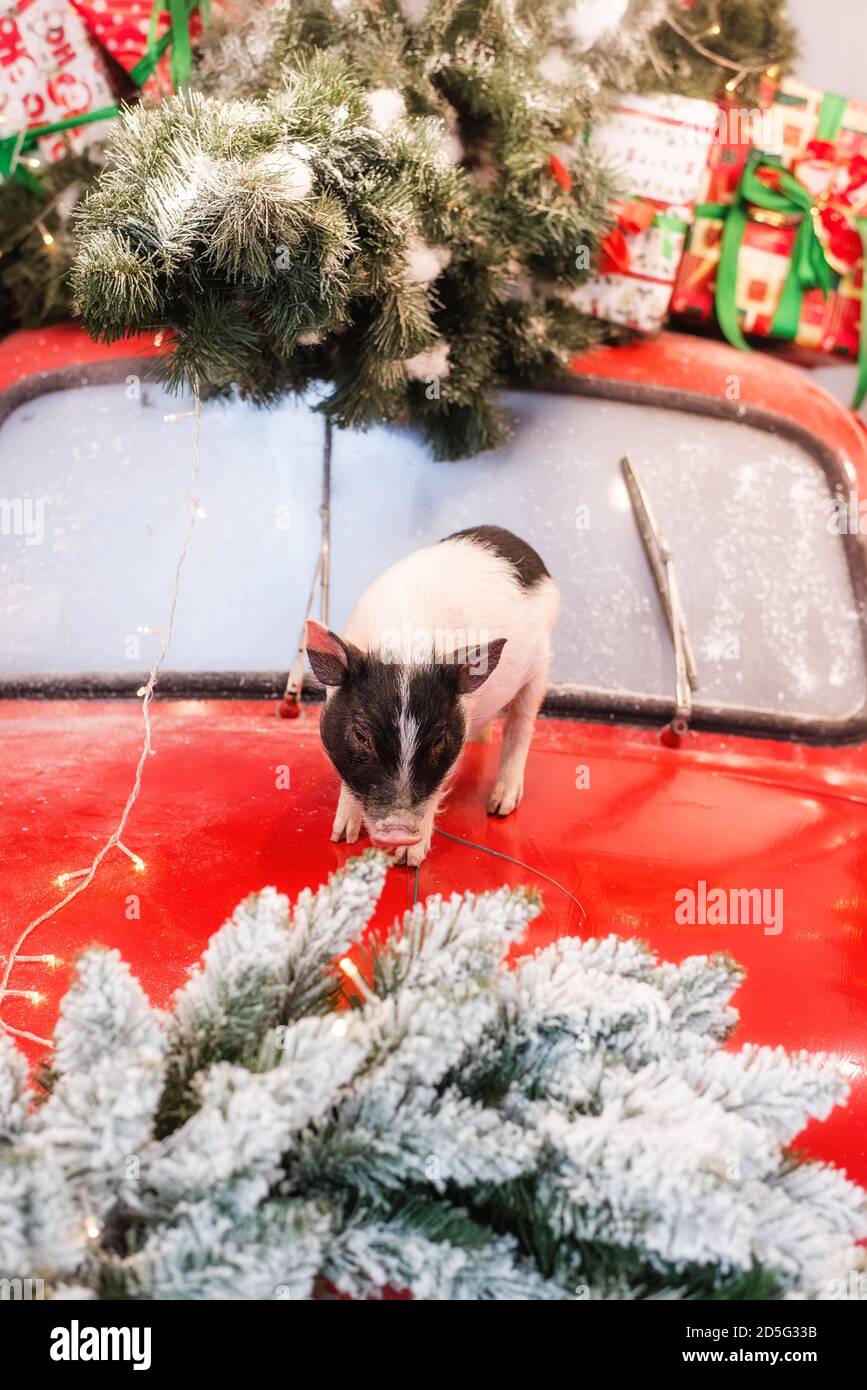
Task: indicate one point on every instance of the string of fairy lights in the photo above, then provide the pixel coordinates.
(740, 71)
(36, 164)
(194, 512)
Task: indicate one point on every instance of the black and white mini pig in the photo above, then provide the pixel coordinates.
(437, 646)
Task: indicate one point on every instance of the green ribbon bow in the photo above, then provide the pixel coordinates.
(808, 270)
(177, 35)
(14, 147)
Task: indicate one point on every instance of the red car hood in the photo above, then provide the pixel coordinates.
(626, 828)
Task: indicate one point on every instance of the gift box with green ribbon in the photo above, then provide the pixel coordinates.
(782, 254)
(162, 38)
(152, 41)
(53, 82)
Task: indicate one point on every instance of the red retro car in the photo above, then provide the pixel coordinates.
(705, 793)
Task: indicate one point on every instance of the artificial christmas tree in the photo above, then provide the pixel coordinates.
(419, 1116)
(719, 47)
(37, 227)
(255, 229)
(504, 93)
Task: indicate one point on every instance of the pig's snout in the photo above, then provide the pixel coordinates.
(394, 832)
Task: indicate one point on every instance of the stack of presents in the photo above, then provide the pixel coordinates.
(749, 220)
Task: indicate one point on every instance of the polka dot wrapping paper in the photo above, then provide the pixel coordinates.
(122, 28)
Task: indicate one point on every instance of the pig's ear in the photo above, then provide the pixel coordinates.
(477, 665)
(328, 654)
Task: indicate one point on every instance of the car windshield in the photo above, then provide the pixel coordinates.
(764, 576)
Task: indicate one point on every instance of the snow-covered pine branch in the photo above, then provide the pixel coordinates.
(464, 1126)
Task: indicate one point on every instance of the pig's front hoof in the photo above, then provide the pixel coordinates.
(413, 855)
(346, 827)
(504, 798)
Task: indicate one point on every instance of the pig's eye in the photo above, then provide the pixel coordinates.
(361, 738)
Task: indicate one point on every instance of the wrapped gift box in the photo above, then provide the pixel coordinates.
(122, 27)
(657, 148)
(50, 71)
(803, 115)
(804, 288)
(149, 40)
(826, 324)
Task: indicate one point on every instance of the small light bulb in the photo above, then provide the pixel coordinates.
(340, 1028)
(35, 997)
(142, 690)
(351, 969)
(158, 339)
(92, 1228)
(200, 511)
(62, 880)
(47, 237)
(715, 29)
(137, 861)
(772, 72)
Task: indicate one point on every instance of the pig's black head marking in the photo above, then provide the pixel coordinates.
(393, 731)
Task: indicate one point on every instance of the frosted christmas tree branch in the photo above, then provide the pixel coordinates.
(454, 1124)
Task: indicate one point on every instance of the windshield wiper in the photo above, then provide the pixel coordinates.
(662, 568)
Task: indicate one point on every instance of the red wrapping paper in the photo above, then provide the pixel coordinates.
(834, 170)
(49, 70)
